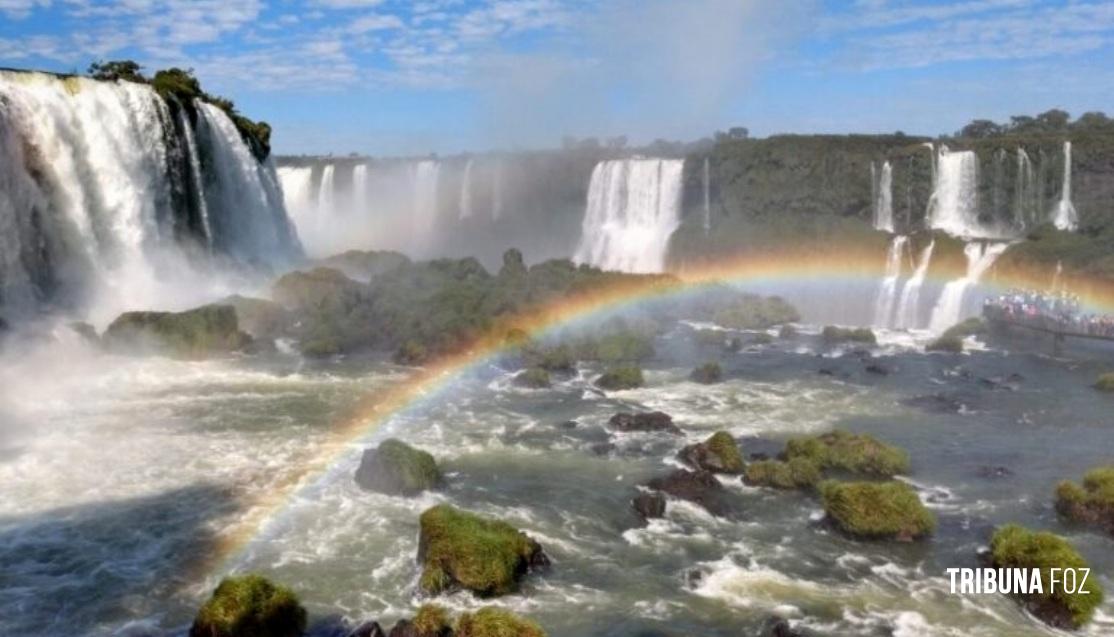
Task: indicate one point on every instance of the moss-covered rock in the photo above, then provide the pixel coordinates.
(700, 487)
(259, 317)
(718, 454)
(787, 332)
(707, 374)
(643, 421)
(1091, 502)
(946, 343)
(432, 620)
(973, 326)
(835, 335)
(458, 549)
(858, 454)
(753, 312)
(533, 378)
(193, 334)
(250, 606)
(1016, 547)
(876, 510)
(1105, 382)
(797, 473)
(364, 265)
(396, 468)
(619, 347)
(760, 338)
(496, 622)
(559, 358)
(619, 378)
(411, 353)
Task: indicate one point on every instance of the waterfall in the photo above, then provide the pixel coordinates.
(1065, 217)
(707, 196)
(908, 308)
(954, 206)
(466, 191)
(1025, 196)
(949, 308)
(326, 192)
(886, 300)
(425, 176)
(497, 192)
(359, 189)
(105, 185)
(883, 198)
(633, 208)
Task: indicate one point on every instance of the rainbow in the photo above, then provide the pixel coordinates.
(772, 269)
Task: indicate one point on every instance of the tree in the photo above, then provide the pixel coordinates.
(980, 128)
(617, 143)
(738, 132)
(113, 70)
(1093, 121)
(181, 83)
(1053, 120)
(1021, 124)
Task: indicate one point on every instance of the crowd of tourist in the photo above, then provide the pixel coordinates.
(1059, 312)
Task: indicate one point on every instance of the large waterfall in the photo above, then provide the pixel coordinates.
(633, 208)
(950, 306)
(466, 192)
(954, 206)
(883, 198)
(111, 196)
(908, 307)
(887, 292)
(1065, 217)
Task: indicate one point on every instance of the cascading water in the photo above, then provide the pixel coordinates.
(359, 189)
(883, 199)
(954, 206)
(466, 191)
(105, 185)
(949, 308)
(1025, 193)
(1065, 216)
(425, 177)
(707, 196)
(886, 300)
(497, 192)
(908, 307)
(633, 208)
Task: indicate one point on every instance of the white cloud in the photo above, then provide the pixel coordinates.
(374, 22)
(19, 9)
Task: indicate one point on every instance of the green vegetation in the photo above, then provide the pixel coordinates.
(193, 334)
(496, 622)
(623, 346)
(462, 549)
(946, 343)
(411, 353)
(834, 335)
(533, 378)
(708, 373)
(753, 312)
(560, 358)
(619, 378)
(432, 620)
(1016, 547)
(973, 326)
(876, 510)
(1092, 502)
(1105, 382)
(250, 606)
(364, 265)
(259, 317)
(858, 454)
(395, 467)
(718, 454)
(797, 473)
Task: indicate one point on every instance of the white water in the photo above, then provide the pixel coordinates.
(883, 199)
(326, 199)
(497, 191)
(425, 177)
(908, 308)
(466, 191)
(707, 197)
(950, 306)
(633, 208)
(954, 205)
(886, 300)
(359, 189)
(1025, 196)
(1065, 216)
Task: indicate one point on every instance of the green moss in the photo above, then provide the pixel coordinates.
(619, 378)
(859, 454)
(834, 335)
(250, 606)
(395, 467)
(431, 620)
(1105, 382)
(196, 333)
(876, 510)
(723, 446)
(495, 622)
(480, 554)
(797, 473)
(623, 347)
(534, 378)
(411, 353)
(560, 358)
(708, 373)
(951, 344)
(1089, 503)
(753, 312)
(1015, 547)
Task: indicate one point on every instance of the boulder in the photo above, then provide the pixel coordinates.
(396, 468)
(194, 334)
(707, 374)
(560, 358)
(532, 378)
(458, 549)
(368, 629)
(250, 605)
(700, 487)
(644, 421)
(718, 454)
(364, 265)
(835, 335)
(431, 620)
(1091, 502)
(1105, 382)
(787, 332)
(259, 317)
(411, 352)
(858, 454)
(753, 312)
(320, 289)
(496, 622)
(775, 626)
(950, 344)
(876, 510)
(648, 505)
(1015, 547)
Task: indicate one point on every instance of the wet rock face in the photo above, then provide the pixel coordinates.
(718, 454)
(396, 468)
(699, 487)
(645, 421)
(648, 505)
(775, 626)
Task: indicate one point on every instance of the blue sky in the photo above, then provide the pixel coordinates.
(392, 77)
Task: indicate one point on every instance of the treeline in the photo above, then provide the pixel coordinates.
(1049, 122)
(183, 86)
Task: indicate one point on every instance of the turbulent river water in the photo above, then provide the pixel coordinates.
(121, 475)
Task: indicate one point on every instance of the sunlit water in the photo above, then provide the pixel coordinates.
(119, 476)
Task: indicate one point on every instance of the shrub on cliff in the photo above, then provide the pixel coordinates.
(396, 468)
(1016, 547)
(859, 454)
(496, 622)
(250, 606)
(1091, 502)
(458, 549)
(876, 510)
(619, 378)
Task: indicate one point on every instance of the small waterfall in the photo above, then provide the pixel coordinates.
(466, 191)
(1025, 195)
(707, 196)
(949, 308)
(887, 293)
(883, 198)
(908, 308)
(297, 186)
(1065, 216)
(195, 173)
(954, 205)
(497, 192)
(425, 178)
(326, 192)
(359, 189)
(633, 208)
